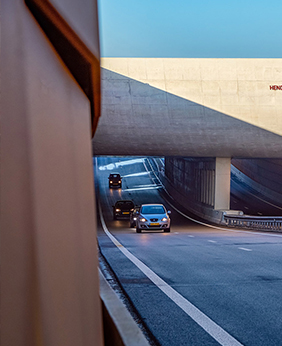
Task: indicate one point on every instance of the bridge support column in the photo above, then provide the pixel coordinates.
(222, 183)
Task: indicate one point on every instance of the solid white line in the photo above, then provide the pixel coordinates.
(213, 329)
(245, 249)
(155, 187)
(135, 174)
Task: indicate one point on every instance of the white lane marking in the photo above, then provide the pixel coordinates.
(244, 249)
(212, 241)
(135, 174)
(153, 187)
(146, 185)
(117, 164)
(213, 329)
(191, 236)
(205, 224)
(176, 232)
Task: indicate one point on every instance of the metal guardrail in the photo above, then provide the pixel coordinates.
(270, 223)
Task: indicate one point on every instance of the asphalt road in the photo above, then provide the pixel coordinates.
(197, 285)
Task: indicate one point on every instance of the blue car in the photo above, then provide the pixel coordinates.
(153, 217)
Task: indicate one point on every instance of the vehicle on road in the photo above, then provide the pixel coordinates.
(122, 209)
(133, 216)
(153, 217)
(114, 180)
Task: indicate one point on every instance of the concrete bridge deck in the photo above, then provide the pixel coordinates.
(190, 107)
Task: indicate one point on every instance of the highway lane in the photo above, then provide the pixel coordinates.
(234, 278)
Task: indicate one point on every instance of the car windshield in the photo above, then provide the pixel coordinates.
(114, 175)
(153, 209)
(125, 204)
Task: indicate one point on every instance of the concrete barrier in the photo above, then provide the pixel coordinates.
(119, 327)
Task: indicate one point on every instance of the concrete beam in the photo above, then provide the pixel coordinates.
(190, 108)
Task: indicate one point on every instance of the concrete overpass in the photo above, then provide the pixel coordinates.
(210, 109)
(190, 107)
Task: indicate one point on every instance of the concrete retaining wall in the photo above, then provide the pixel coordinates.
(190, 182)
(264, 176)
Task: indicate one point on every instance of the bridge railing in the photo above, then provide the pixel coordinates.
(271, 223)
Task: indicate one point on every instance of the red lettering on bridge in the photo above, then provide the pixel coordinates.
(275, 87)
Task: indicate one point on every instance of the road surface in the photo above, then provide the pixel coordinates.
(198, 285)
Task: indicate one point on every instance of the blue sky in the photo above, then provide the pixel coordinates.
(191, 29)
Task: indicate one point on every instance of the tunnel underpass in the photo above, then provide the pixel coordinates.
(213, 282)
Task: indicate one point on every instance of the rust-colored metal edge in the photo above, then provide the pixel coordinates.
(81, 62)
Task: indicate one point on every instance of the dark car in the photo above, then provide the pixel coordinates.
(133, 216)
(122, 209)
(114, 180)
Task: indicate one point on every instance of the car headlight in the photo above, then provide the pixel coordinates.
(119, 182)
(143, 219)
(111, 182)
(164, 219)
(135, 218)
(117, 209)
